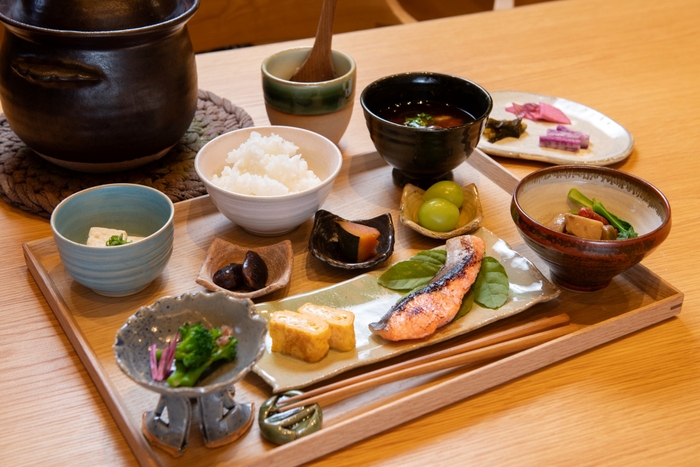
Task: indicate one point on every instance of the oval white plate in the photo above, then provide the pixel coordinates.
(610, 142)
(369, 301)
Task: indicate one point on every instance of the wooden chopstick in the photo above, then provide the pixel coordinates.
(521, 330)
(494, 345)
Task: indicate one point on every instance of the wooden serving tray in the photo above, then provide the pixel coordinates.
(364, 189)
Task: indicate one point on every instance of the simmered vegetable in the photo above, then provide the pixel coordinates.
(624, 229)
(583, 227)
(358, 242)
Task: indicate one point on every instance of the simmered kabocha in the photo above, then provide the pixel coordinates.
(358, 242)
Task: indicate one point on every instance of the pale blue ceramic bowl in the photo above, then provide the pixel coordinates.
(122, 270)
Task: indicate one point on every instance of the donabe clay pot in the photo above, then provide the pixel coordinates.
(99, 88)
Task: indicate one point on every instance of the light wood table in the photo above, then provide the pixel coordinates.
(634, 401)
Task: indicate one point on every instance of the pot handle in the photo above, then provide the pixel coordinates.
(56, 73)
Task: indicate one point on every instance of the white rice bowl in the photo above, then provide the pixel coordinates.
(259, 160)
(266, 166)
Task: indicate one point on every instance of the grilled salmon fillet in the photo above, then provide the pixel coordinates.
(421, 312)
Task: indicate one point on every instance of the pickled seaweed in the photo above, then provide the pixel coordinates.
(496, 130)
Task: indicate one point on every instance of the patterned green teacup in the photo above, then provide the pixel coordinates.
(323, 107)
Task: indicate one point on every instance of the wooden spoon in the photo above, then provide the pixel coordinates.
(318, 66)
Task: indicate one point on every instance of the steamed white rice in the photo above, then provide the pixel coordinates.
(266, 166)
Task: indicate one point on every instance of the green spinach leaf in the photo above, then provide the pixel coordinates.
(491, 286)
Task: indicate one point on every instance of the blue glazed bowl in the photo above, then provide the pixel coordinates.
(122, 270)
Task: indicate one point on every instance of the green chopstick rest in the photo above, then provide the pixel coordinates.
(283, 427)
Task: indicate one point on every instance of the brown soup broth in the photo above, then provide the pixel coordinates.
(443, 115)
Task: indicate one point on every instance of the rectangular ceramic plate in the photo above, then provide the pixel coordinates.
(368, 300)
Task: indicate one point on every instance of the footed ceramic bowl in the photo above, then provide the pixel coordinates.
(424, 156)
(324, 107)
(222, 420)
(323, 242)
(158, 322)
(270, 215)
(115, 270)
(580, 264)
(470, 214)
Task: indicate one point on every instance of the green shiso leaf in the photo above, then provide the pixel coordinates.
(467, 303)
(491, 286)
(409, 274)
(431, 256)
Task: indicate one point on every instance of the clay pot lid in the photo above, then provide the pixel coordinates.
(89, 15)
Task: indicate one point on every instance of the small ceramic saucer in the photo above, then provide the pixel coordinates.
(470, 214)
(278, 258)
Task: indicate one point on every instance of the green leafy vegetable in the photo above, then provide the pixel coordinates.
(415, 272)
(467, 303)
(490, 290)
(421, 120)
(115, 240)
(624, 229)
(491, 286)
(437, 257)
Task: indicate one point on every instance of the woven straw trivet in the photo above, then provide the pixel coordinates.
(29, 182)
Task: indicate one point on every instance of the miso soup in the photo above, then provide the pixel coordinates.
(426, 114)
